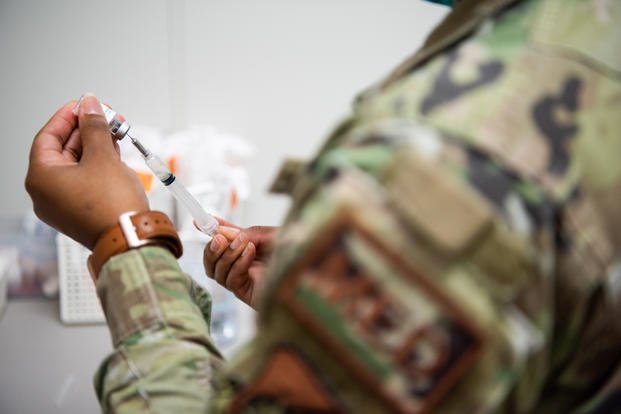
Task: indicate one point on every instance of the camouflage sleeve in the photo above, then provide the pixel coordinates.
(163, 355)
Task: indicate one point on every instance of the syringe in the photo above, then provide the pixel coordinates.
(120, 128)
(203, 220)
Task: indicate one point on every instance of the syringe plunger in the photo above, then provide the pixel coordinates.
(203, 220)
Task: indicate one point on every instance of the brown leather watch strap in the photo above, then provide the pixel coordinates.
(147, 228)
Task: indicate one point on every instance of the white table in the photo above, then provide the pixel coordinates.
(45, 366)
(48, 367)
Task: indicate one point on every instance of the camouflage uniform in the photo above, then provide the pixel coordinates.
(452, 248)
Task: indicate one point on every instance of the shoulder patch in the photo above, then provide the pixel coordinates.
(395, 330)
(287, 378)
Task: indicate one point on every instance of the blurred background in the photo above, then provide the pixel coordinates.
(276, 75)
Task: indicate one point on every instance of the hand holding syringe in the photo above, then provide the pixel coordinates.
(120, 128)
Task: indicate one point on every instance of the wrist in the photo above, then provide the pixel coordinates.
(134, 230)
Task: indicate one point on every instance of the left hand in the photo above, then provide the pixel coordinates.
(236, 258)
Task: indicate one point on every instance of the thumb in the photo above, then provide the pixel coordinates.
(94, 131)
(223, 222)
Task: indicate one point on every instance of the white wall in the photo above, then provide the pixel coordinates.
(278, 72)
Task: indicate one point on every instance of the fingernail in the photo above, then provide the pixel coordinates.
(90, 104)
(214, 246)
(76, 107)
(247, 249)
(239, 240)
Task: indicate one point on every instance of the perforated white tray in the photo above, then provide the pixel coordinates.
(78, 299)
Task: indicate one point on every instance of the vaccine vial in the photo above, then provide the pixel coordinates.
(119, 127)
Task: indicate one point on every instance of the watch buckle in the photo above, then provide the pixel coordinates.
(129, 231)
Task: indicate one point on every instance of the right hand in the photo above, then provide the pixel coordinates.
(236, 258)
(76, 179)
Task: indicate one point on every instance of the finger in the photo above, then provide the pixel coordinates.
(229, 232)
(262, 236)
(97, 140)
(50, 140)
(238, 274)
(72, 150)
(223, 222)
(212, 253)
(228, 257)
(216, 247)
(198, 228)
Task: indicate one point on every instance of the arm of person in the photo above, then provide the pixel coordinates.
(163, 356)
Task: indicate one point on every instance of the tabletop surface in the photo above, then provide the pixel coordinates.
(46, 366)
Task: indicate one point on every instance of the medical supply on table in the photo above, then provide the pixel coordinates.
(78, 299)
(119, 128)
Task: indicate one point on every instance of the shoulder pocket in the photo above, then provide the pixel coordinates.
(448, 215)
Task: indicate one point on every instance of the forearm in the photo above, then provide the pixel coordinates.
(163, 357)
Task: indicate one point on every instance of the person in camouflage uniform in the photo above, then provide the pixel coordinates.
(452, 248)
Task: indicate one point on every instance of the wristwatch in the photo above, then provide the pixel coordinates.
(135, 229)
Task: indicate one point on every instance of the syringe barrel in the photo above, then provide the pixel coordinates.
(204, 221)
(158, 167)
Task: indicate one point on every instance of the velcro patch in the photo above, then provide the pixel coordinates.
(448, 214)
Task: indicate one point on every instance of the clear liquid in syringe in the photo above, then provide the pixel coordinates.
(203, 220)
